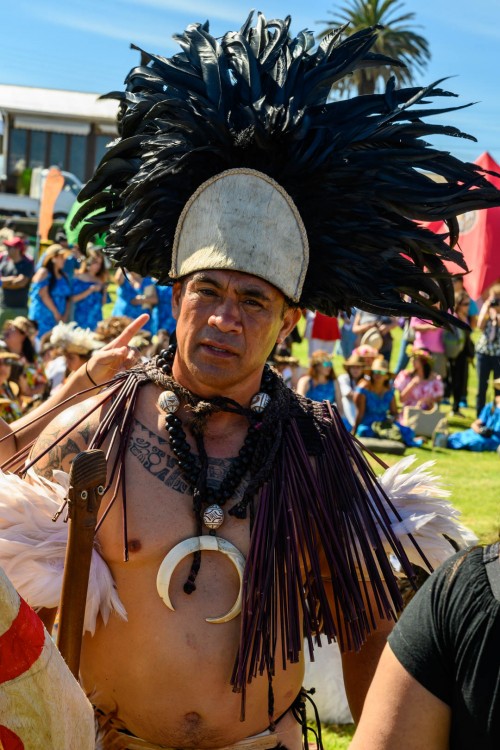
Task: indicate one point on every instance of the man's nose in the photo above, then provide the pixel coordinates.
(226, 317)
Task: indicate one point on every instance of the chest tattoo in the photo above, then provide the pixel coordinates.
(153, 452)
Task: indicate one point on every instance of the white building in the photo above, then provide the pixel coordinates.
(51, 127)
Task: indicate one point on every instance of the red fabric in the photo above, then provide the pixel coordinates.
(22, 644)
(9, 740)
(479, 239)
(325, 328)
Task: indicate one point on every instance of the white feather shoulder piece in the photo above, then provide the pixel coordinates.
(33, 547)
(420, 499)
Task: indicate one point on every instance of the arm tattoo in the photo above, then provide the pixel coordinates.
(55, 457)
(153, 452)
(60, 450)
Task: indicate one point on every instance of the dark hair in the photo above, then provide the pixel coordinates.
(426, 363)
(460, 297)
(52, 276)
(28, 350)
(316, 361)
(93, 253)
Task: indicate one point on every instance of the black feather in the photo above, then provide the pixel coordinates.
(361, 171)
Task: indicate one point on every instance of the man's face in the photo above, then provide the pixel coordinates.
(227, 325)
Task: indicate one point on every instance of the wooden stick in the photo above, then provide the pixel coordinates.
(87, 480)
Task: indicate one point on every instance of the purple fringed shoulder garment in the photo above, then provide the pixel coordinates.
(321, 511)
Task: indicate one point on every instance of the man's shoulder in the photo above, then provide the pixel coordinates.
(313, 420)
(68, 434)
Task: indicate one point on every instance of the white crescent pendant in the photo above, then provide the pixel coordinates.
(188, 547)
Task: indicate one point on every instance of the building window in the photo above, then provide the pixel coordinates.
(57, 151)
(77, 150)
(38, 149)
(17, 151)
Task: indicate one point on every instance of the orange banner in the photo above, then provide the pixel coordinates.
(53, 185)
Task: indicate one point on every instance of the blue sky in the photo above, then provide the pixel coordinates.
(84, 45)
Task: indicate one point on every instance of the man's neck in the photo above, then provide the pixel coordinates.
(242, 392)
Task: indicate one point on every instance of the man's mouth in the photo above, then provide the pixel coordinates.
(215, 349)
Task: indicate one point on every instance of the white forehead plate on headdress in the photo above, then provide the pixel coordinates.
(242, 220)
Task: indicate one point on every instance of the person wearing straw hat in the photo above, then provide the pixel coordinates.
(50, 292)
(354, 367)
(19, 334)
(231, 499)
(376, 408)
(375, 330)
(419, 386)
(10, 404)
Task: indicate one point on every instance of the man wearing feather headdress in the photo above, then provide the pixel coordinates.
(235, 179)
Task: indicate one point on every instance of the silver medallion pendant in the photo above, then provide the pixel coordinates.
(213, 516)
(259, 402)
(168, 402)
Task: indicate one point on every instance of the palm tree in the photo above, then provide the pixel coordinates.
(395, 39)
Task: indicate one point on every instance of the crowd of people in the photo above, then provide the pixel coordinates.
(432, 370)
(52, 319)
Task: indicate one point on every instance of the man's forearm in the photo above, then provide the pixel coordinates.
(15, 282)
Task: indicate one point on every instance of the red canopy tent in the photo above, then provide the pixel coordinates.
(479, 239)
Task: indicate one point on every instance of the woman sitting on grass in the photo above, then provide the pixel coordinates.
(484, 432)
(376, 410)
(320, 383)
(421, 386)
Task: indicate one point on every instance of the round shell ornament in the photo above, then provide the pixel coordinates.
(213, 517)
(168, 402)
(259, 402)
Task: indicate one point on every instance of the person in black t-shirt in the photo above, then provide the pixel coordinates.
(437, 684)
(16, 271)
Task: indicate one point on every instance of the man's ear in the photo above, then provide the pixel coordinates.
(176, 299)
(290, 319)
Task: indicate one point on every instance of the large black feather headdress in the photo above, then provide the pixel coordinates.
(360, 171)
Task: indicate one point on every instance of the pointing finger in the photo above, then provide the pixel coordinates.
(128, 333)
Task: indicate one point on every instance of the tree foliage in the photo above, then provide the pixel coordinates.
(397, 39)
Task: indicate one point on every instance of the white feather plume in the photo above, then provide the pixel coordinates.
(420, 499)
(33, 547)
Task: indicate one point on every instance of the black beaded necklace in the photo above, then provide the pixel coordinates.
(208, 501)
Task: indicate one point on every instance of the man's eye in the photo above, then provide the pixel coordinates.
(252, 303)
(207, 292)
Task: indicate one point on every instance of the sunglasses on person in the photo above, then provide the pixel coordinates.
(379, 372)
(326, 364)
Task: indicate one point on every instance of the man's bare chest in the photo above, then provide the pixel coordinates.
(153, 511)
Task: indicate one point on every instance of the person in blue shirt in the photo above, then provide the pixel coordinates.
(484, 432)
(135, 295)
(90, 290)
(50, 291)
(320, 383)
(376, 408)
(161, 315)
